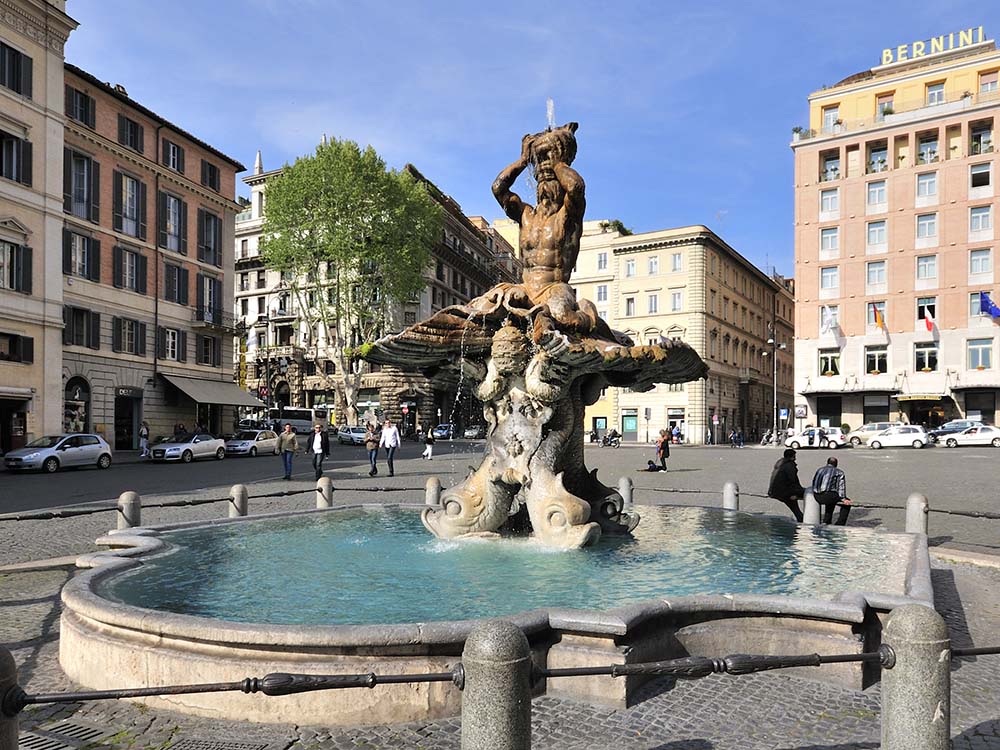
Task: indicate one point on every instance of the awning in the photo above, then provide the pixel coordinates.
(17, 394)
(213, 391)
(920, 396)
(975, 386)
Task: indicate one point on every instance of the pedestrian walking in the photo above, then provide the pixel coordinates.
(732, 438)
(371, 445)
(784, 485)
(319, 444)
(390, 440)
(663, 449)
(739, 439)
(144, 439)
(830, 488)
(428, 444)
(288, 446)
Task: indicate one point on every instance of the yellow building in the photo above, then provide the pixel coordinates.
(688, 284)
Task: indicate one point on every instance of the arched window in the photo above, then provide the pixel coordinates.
(76, 406)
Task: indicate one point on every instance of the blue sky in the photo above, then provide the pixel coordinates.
(685, 108)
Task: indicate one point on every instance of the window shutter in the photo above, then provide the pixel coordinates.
(26, 67)
(141, 139)
(170, 274)
(122, 129)
(201, 230)
(95, 191)
(161, 218)
(142, 210)
(217, 312)
(67, 251)
(69, 102)
(218, 245)
(140, 339)
(184, 228)
(25, 168)
(67, 333)
(116, 334)
(67, 180)
(94, 259)
(24, 270)
(217, 352)
(204, 172)
(116, 197)
(141, 272)
(94, 341)
(91, 111)
(163, 151)
(116, 268)
(200, 283)
(184, 280)
(161, 342)
(27, 349)
(182, 344)
(180, 160)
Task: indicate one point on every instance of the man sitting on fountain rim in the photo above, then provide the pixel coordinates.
(785, 485)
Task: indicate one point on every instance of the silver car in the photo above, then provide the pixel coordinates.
(351, 435)
(252, 442)
(187, 448)
(53, 452)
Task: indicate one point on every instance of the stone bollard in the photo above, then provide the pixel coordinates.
(129, 510)
(324, 492)
(811, 509)
(625, 490)
(8, 681)
(238, 501)
(432, 492)
(916, 692)
(731, 496)
(496, 699)
(916, 514)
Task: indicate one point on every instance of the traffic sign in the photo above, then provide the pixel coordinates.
(715, 419)
(406, 410)
(783, 413)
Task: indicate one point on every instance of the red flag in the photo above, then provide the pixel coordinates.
(929, 321)
(879, 320)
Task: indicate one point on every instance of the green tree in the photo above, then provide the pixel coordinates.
(615, 225)
(352, 239)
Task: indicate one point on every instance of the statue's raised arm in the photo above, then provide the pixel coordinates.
(510, 201)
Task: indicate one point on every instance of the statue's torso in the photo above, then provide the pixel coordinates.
(549, 245)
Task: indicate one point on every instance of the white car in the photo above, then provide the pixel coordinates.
(865, 433)
(981, 435)
(252, 443)
(833, 437)
(186, 448)
(906, 436)
(351, 435)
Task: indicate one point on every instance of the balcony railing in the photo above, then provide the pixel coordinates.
(215, 317)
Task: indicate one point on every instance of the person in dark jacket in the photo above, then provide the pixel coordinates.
(785, 485)
(830, 488)
(319, 447)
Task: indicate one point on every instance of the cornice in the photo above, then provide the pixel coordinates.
(47, 26)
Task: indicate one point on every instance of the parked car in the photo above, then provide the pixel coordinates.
(951, 428)
(351, 435)
(978, 435)
(833, 437)
(252, 442)
(475, 432)
(187, 448)
(445, 431)
(864, 433)
(904, 436)
(54, 452)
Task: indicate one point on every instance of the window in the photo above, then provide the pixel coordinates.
(15, 70)
(981, 219)
(80, 107)
(210, 300)
(712, 301)
(676, 301)
(981, 140)
(676, 262)
(876, 232)
(876, 360)
(15, 267)
(926, 226)
(629, 307)
(15, 348)
(980, 261)
(602, 292)
(602, 261)
(927, 149)
(926, 184)
(987, 82)
(725, 308)
(926, 266)
(129, 270)
(129, 210)
(876, 273)
(409, 318)
(130, 133)
(926, 306)
(829, 239)
(829, 278)
(830, 167)
(925, 357)
(652, 304)
(245, 307)
(653, 265)
(210, 175)
(210, 238)
(81, 256)
(173, 223)
(209, 351)
(980, 175)
(173, 156)
(831, 117)
(81, 328)
(980, 354)
(829, 317)
(829, 361)
(975, 306)
(262, 305)
(878, 158)
(630, 267)
(829, 200)
(128, 336)
(170, 337)
(935, 94)
(883, 106)
(876, 193)
(261, 276)
(175, 284)
(872, 308)
(15, 158)
(244, 285)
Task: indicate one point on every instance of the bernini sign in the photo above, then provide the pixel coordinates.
(934, 45)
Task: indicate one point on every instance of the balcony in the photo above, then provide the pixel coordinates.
(214, 317)
(749, 375)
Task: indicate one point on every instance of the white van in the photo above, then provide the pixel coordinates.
(301, 419)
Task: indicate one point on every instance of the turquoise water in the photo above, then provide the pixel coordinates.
(382, 566)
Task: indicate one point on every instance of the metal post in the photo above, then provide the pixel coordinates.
(129, 510)
(238, 501)
(496, 699)
(811, 511)
(324, 492)
(731, 496)
(916, 692)
(432, 492)
(625, 490)
(8, 682)
(916, 514)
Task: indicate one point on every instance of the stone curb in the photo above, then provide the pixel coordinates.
(35, 565)
(947, 554)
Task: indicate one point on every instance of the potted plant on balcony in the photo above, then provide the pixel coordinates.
(828, 373)
(874, 372)
(926, 369)
(980, 367)
(888, 110)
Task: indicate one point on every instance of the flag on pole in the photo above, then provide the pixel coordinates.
(827, 315)
(988, 306)
(929, 321)
(879, 320)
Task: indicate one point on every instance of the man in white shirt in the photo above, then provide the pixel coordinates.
(319, 446)
(390, 440)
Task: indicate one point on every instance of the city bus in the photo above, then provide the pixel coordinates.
(301, 419)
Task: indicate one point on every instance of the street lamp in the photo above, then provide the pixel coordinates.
(775, 346)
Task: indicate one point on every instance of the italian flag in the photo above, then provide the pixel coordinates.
(929, 321)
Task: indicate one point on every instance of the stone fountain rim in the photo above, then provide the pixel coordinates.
(79, 596)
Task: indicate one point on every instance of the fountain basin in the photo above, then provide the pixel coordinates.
(216, 602)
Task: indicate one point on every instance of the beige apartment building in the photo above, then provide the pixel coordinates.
(895, 239)
(32, 36)
(689, 284)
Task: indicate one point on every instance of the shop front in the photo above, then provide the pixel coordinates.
(980, 403)
(14, 406)
(927, 409)
(128, 416)
(211, 398)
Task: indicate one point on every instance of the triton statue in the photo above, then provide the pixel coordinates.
(539, 357)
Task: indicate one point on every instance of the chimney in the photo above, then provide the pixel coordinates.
(258, 164)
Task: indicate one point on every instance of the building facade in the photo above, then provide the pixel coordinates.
(289, 367)
(688, 284)
(895, 239)
(32, 36)
(145, 249)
